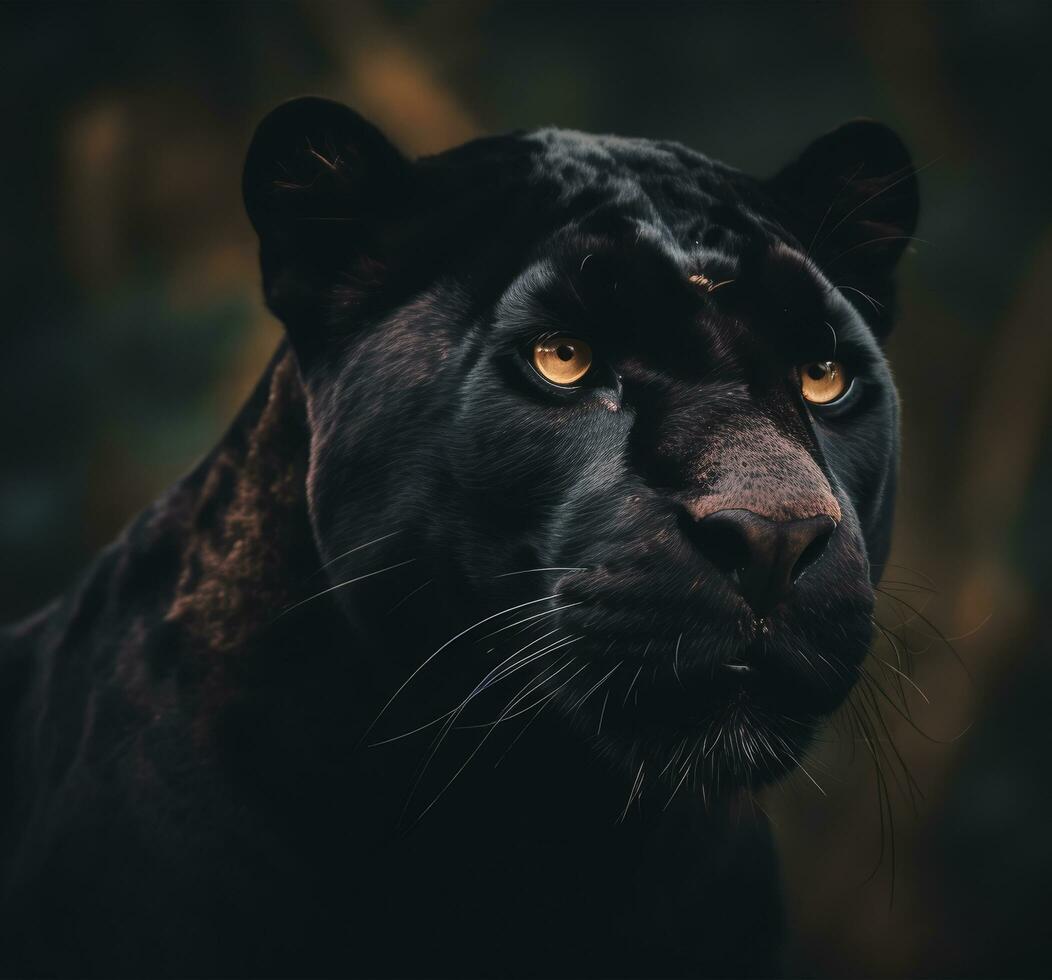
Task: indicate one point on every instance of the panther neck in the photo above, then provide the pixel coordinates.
(263, 655)
(247, 547)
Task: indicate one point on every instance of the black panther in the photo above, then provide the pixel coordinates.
(548, 537)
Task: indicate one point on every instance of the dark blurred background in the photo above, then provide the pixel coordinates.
(132, 329)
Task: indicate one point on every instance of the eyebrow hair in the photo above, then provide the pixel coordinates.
(782, 299)
(796, 270)
(794, 279)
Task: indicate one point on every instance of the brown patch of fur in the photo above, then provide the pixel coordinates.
(249, 520)
(704, 282)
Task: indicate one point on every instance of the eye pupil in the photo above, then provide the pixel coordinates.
(823, 382)
(562, 360)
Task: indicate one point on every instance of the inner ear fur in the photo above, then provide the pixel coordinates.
(851, 199)
(319, 183)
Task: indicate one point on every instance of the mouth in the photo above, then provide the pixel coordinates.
(736, 733)
(724, 723)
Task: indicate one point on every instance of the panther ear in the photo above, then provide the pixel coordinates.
(319, 185)
(851, 199)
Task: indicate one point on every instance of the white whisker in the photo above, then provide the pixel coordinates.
(504, 716)
(350, 581)
(530, 571)
(448, 643)
(368, 544)
(547, 612)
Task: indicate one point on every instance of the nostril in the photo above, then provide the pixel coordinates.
(824, 528)
(722, 541)
(763, 558)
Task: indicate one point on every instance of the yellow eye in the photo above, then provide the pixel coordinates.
(823, 382)
(562, 360)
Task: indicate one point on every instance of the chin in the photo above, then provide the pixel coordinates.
(739, 745)
(735, 714)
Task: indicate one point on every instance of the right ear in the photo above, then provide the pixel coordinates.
(852, 200)
(319, 184)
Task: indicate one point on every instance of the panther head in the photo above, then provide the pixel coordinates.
(617, 411)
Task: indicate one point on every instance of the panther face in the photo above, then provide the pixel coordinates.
(615, 417)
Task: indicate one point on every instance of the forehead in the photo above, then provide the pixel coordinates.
(647, 227)
(678, 236)
(671, 192)
(641, 204)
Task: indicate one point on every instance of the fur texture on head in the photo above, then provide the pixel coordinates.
(414, 294)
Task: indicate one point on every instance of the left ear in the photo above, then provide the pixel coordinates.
(322, 187)
(851, 200)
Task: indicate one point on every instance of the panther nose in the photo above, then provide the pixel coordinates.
(764, 557)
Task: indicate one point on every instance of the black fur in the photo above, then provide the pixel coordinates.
(202, 772)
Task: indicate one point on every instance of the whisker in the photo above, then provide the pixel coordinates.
(886, 582)
(636, 787)
(802, 769)
(522, 731)
(913, 571)
(409, 596)
(936, 632)
(351, 551)
(436, 745)
(340, 585)
(890, 639)
(876, 304)
(832, 204)
(478, 748)
(906, 677)
(912, 172)
(506, 717)
(682, 780)
(971, 632)
(449, 642)
(577, 705)
(912, 788)
(539, 679)
(882, 791)
(877, 241)
(631, 685)
(481, 686)
(530, 571)
(602, 714)
(547, 612)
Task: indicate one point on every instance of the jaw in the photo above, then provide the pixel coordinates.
(741, 744)
(717, 727)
